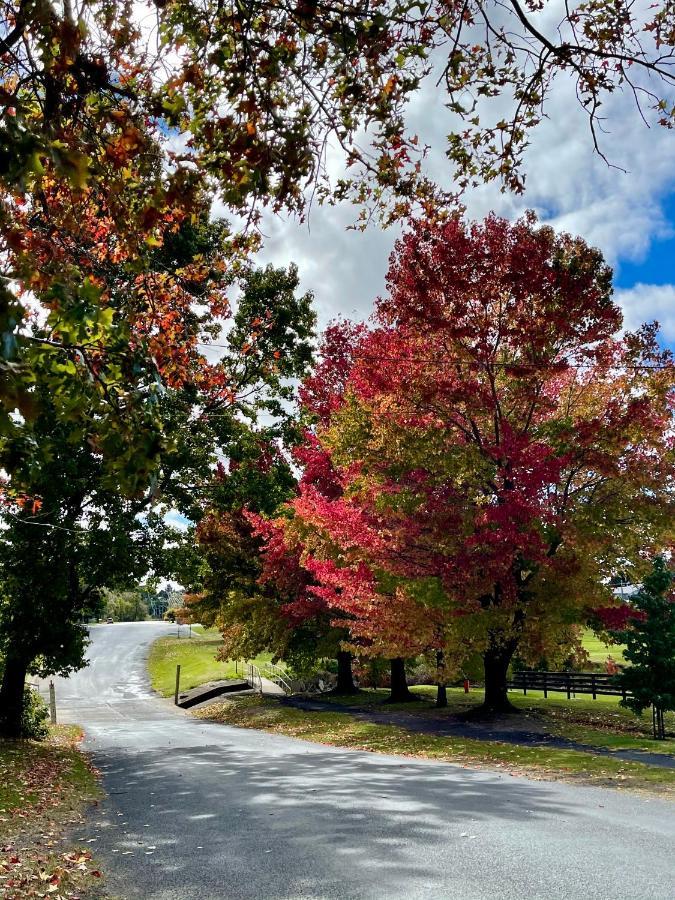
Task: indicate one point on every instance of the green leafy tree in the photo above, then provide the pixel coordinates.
(186, 423)
(56, 554)
(126, 606)
(650, 647)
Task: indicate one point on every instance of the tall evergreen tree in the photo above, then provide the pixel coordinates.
(650, 648)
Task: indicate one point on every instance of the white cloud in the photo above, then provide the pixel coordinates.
(649, 302)
(176, 520)
(569, 185)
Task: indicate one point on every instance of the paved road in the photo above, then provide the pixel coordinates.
(197, 810)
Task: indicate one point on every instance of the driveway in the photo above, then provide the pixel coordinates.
(199, 810)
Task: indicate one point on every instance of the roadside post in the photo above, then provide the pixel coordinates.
(175, 696)
(52, 703)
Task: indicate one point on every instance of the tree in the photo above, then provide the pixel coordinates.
(251, 585)
(290, 78)
(143, 435)
(650, 647)
(126, 605)
(260, 90)
(56, 554)
(246, 573)
(501, 451)
(313, 631)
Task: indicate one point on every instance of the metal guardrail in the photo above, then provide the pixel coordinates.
(254, 675)
(278, 676)
(568, 683)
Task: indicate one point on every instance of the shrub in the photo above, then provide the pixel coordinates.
(35, 714)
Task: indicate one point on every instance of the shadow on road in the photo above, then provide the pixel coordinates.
(319, 825)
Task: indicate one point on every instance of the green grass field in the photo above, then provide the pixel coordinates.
(599, 723)
(598, 651)
(196, 656)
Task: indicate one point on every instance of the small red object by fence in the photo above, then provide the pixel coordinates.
(466, 685)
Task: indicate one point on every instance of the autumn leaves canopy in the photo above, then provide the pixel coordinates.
(476, 462)
(485, 456)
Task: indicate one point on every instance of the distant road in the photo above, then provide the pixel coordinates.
(199, 811)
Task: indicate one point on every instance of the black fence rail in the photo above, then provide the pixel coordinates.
(567, 683)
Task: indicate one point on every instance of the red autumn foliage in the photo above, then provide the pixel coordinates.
(477, 449)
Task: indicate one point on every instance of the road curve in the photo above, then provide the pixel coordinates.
(197, 811)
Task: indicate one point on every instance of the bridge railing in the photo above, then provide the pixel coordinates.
(254, 675)
(278, 676)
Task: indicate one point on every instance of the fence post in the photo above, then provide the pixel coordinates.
(545, 685)
(175, 696)
(593, 688)
(568, 685)
(52, 703)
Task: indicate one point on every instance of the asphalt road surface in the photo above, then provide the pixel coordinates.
(198, 810)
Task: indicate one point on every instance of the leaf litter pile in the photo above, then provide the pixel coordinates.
(44, 789)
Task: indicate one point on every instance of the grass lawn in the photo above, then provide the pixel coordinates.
(600, 723)
(344, 730)
(44, 788)
(598, 651)
(196, 656)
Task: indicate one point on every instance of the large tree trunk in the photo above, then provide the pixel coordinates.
(345, 679)
(399, 692)
(441, 693)
(11, 697)
(496, 660)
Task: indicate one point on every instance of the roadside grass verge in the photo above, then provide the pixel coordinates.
(341, 729)
(196, 657)
(44, 789)
(599, 723)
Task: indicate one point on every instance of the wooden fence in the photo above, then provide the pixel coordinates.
(567, 683)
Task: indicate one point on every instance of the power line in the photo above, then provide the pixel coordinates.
(499, 364)
(41, 524)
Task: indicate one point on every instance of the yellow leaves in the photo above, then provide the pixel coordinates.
(71, 163)
(389, 86)
(10, 84)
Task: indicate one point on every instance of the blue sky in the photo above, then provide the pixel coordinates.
(658, 265)
(627, 210)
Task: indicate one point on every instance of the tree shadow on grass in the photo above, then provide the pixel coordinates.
(519, 728)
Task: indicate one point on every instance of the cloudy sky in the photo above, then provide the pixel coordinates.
(629, 215)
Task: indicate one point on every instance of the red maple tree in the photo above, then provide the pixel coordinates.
(500, 448)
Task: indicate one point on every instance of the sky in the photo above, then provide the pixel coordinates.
(629, 215)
